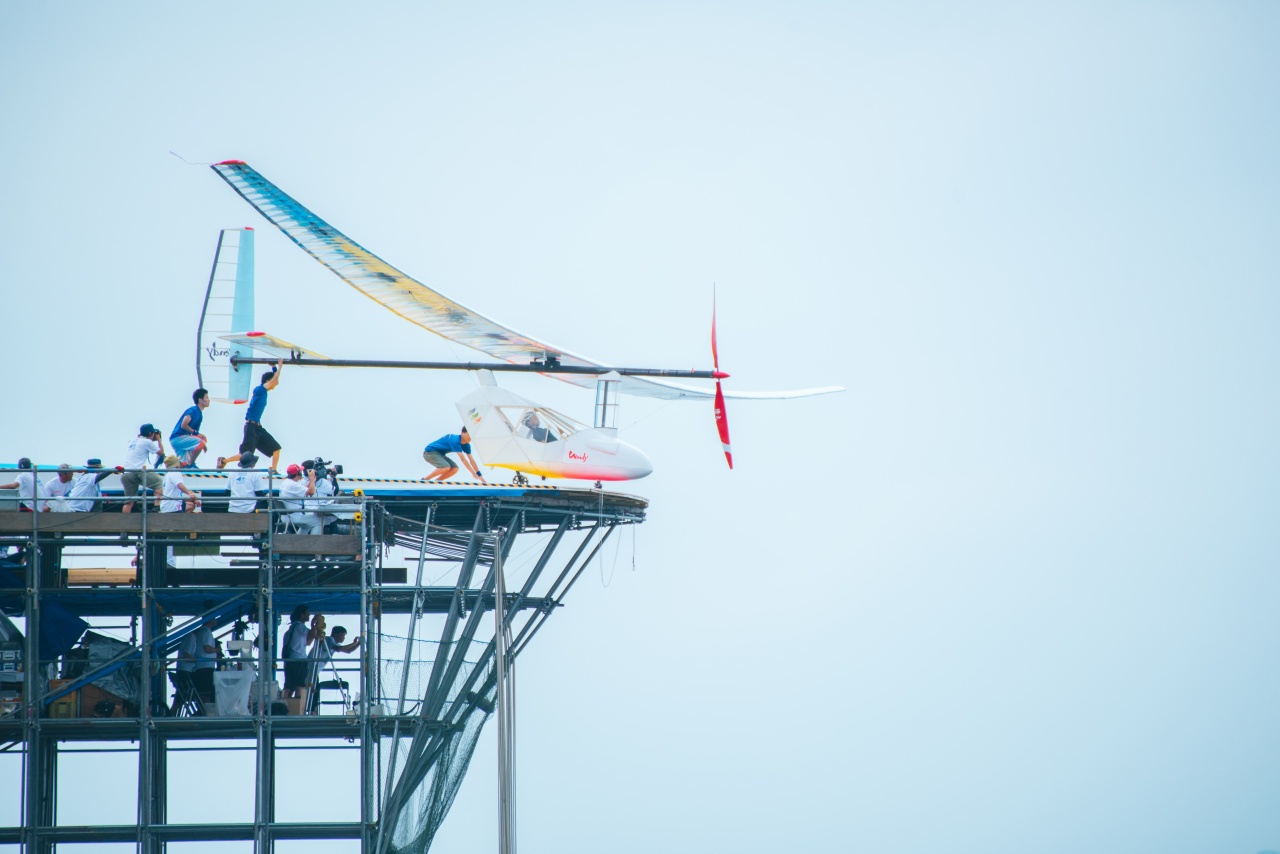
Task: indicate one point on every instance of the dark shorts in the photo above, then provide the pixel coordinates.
(203, 681)
(439, 460)
(296, 673)
(257, 440)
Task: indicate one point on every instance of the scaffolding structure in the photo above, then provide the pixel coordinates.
(413, 716)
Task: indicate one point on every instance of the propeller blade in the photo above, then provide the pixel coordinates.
(722, 425)
(722, 416)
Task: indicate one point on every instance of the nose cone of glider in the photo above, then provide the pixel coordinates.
(633, 462)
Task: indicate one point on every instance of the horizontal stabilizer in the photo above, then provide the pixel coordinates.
(269, 345)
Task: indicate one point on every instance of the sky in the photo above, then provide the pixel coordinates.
(1013, 590)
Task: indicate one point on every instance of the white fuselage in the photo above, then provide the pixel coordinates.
(500, 436)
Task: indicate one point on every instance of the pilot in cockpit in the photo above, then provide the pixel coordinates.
(535, 431)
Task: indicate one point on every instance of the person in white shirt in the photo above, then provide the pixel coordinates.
(294, 650)
(198, 656)
(175, 489)
(86, 491)
(292, 491)
(58, 488)
(30, 489)
(138, 457)
(245, 486)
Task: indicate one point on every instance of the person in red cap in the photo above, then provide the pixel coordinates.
(292, 494)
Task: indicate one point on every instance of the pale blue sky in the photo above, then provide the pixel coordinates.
(1014, 591)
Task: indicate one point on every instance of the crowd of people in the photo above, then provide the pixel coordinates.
(305, 651)
(73, 490)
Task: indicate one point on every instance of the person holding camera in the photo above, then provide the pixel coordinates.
(326, 488)
(334, 642)
(292, 493)
(136, 458)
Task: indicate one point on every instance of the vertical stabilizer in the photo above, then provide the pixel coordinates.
(228, 308)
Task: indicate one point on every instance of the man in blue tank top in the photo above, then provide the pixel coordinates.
(437, 454)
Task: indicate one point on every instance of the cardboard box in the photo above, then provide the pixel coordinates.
(297, 705)
(67, 706)
(92, 695)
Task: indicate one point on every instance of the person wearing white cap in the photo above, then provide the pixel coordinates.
(58, 488)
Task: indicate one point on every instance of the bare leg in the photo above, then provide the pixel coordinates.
(275, 461)
(442, 474)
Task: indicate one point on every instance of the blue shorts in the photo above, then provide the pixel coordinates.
(185, 444)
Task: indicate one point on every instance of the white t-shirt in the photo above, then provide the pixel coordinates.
(245, 485)
(30, 487)
(195, 644)
(57, 492)
(84, 488)
(292, 489)
(324, 495)
(173, 496)
(295, 641)
(141, 451)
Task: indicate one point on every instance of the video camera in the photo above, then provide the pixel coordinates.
(322, 469)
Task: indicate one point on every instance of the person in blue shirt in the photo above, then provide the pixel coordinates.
(256, 438)
(437, 454)
(186, 440)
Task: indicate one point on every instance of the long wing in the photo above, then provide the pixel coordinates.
(426, 307)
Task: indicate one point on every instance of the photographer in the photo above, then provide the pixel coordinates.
(137, 456)
(326, 489)
(292, 493)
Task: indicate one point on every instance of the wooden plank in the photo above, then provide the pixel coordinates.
(236, 576)
(115, 577)
(131, 523)
(316, 544)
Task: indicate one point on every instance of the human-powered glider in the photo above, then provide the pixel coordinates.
(437, 313)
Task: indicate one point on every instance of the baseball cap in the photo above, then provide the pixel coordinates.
(293, 469)
(146, 429)
(64, 466)
(94, 463)
(24, 463)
